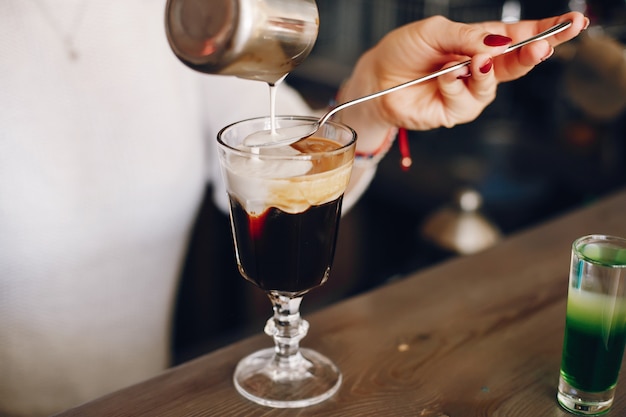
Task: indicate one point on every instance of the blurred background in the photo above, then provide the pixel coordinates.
(552, 141)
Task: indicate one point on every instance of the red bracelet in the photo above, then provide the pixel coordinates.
(405, 152)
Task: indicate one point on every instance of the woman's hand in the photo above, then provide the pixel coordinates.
(422, 47)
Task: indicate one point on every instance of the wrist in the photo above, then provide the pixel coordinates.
(374, 133)
(373, 156)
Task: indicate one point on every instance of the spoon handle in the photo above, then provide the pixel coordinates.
(546, 33)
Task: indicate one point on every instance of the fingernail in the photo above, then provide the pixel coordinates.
(497, 40)
(549, 55)
(486, 67)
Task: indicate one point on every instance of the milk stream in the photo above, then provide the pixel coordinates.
(273, 88)
(274, 134)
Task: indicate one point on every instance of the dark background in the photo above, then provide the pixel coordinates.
(552, 141)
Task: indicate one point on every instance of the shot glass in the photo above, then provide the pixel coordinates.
(595, 325)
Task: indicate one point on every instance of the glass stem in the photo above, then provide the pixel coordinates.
(287, 328)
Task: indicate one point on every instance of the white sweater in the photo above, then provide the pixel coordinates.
(103, 161)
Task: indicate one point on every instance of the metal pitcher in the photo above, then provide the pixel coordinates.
(254, 39)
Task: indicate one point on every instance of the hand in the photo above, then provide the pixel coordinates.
(427, 45)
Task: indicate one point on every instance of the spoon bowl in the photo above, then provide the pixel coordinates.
(289, 135)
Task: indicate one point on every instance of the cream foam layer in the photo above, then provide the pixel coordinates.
(285, 184)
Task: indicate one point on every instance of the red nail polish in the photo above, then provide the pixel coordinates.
(464, 76)
(497, 40)
(486, 67)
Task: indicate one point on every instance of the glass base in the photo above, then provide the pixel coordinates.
(582, 402)
(306, 379)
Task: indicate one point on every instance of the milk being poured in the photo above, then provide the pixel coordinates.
(277, 136)
(273, 87)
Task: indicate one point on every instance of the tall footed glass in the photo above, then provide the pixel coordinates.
(285, 206)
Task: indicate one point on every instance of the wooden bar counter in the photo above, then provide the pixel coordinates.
(473, 336)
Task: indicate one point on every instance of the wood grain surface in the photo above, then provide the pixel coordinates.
(474, 336)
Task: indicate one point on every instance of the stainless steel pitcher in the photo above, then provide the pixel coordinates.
(254, 39)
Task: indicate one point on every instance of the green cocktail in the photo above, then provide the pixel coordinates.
(594, 341)
(595, 326)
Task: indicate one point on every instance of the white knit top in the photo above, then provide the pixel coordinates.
(103, 162)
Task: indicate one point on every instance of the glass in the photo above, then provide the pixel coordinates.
(595, 326)
(285, 206)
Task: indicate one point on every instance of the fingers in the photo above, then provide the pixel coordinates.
(464, 40)
(424, 46)
(579, 23)
(456, 41)
(468, 93)
(527, 28)
(520, 62)
(535, 54)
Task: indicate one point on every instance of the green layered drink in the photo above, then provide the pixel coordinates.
(595, 335)
(595, 326)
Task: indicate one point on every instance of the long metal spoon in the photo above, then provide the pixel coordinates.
(288, 135)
